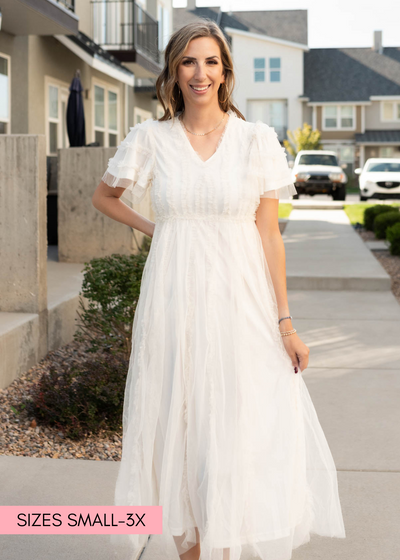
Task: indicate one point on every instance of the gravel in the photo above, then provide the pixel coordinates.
(23, 435)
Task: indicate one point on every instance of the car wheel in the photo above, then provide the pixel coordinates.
(341, 193)
(295, 196)
(363, 198)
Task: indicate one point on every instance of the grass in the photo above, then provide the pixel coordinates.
(284, 210)
(355, 212)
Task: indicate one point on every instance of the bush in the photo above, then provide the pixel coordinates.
(383, 221)
(81, 398)
(393, 236)
(371, 212)
(112, 286)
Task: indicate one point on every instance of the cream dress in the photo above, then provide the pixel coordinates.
(217, 428)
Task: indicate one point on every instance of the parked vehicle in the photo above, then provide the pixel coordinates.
(379, 178)
(319, 172)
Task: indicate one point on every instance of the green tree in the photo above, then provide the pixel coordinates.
(303, 139)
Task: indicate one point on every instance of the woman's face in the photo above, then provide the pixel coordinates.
(201, 67)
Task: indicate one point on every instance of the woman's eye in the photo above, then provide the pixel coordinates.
(185, 62)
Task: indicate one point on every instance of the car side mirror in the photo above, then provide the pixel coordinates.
(358, 171)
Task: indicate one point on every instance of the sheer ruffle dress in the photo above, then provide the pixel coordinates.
(217, 428)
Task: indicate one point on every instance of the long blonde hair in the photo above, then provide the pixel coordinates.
(168, 91)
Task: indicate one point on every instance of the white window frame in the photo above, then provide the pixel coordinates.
(339, 119)
(106, 130)
(394, 118)
(8, 120)
(63, 93)
(275, 70)
(264, 69)
(140, 115)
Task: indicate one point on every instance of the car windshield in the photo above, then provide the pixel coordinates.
(318, 159)
(383, 167)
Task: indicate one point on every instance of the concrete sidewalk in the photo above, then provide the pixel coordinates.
(354, 382)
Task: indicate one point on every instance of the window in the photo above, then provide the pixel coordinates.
(4, 94)
(275, 69)
(105, 116)
(339, 117)
(390, 111)
(57, 101)
(271, 111)
(259, 69)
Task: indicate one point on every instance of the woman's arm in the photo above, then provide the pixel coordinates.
(106, 200)
(274, 250)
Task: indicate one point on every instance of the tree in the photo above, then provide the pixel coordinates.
(303, 139)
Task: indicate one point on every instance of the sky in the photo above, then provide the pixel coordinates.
(331, 23)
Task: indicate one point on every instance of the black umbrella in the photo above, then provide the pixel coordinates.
(75, 114)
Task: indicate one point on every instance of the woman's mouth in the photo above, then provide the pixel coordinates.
(199, 89)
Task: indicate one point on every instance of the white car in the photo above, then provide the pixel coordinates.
(379, 178)
(319, 172)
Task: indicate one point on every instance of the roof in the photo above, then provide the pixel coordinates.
(352, 74)
(289, 25)
(378, 137)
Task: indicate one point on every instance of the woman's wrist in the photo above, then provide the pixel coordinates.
(285, 325)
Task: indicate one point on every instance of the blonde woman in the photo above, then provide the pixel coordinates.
(218, 426)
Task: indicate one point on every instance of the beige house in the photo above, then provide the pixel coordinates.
(116, 45)
(353, 97)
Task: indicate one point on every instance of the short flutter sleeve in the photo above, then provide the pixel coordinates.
(268, 164)
(133, 163)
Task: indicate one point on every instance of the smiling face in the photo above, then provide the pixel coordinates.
(200, 72)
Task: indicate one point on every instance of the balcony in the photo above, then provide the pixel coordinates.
(39, 17)
(129, 33)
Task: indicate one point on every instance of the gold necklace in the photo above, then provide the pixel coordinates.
(202, 133)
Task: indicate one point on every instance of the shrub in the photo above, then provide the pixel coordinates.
(371, 212)
(112, 286)
(393, 236)
(81, 398)
(383, 221)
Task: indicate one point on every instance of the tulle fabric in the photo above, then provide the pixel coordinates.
(268, 164)
(217, 428)
(132, 165)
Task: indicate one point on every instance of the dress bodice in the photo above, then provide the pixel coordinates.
(248, 163)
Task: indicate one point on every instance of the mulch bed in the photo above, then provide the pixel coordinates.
(391, 263)
(22, 435)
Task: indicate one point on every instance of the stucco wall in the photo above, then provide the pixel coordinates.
(83, 231)
(290, 87)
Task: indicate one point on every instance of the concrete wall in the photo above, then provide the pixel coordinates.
(23, 238)
(83, 231)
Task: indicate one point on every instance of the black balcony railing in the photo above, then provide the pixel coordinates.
(69, 4)
(123, 24)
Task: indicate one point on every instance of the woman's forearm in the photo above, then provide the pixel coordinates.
(274, 250)
(114, 208)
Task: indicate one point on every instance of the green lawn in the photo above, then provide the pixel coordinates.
(284, 210)
(355, 212)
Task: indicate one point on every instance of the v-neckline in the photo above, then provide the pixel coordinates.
(220, 141)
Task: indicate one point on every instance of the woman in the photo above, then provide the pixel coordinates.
(218, 426)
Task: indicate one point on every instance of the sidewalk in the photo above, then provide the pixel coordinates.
(354, 382)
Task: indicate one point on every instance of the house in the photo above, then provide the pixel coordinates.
(353, 97)
(268, 51)
(116, 45)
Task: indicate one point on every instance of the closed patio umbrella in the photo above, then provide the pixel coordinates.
(75, 114)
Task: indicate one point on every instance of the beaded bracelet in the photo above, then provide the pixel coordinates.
(287, 333)
(290, 317)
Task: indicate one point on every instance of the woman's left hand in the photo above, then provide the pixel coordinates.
(298, 352)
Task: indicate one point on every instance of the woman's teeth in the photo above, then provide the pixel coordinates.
(200, 88)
